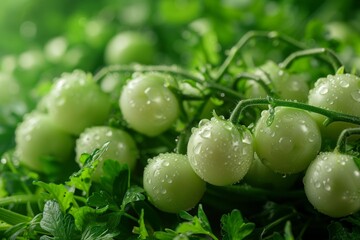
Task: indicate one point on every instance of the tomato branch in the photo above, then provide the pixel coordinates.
(272, 35)
(331, 59)
(331, 115)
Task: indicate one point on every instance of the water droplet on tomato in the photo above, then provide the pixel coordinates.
(205, 133)
(197, 148)
(356, 95)
(203, 122)
(344, 84)
(323, 90)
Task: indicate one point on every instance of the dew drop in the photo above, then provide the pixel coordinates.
(317, 184)
(327, 187)
(205, 133)
(197, 148)
(356, 95)
(203, 122)
(323, 90)
(344, 84)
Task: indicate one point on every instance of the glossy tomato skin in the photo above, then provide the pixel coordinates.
(341, 93)
(76, 102)
(148, 105)
(289, 142)
(38, 138)
(171, 184)
(219, 152)
(332, 184)
(121, 146)
(130, 47)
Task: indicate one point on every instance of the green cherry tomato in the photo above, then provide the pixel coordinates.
(38, 140)
(332, 184)
(288, 140)
(219, 152)
(341, 93)
(148, 105)
(171, 184)
(76, 102)
(130, 47)
(121, 147)
(259, 175)
(287, 85)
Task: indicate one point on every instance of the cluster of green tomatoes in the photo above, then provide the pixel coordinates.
(285, 141)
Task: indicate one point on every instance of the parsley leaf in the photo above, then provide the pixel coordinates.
(234, 227)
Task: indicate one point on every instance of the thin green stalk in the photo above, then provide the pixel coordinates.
(331, 115)
(14, 170)
(275, 223)
(149, 68)
(257, 79)
(12, 218)
(332, 59)
(19, 199)
(245, 39)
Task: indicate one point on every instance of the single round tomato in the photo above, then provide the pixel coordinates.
(220, 152)
(130, 47)
(39, 140)
(341, 93)
(148, 105)
(76, 102)
(171, 184)
(121, 147)
(288, 142)
(332, 184)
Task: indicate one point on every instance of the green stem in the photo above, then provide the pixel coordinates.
(333, 59)
(245, 39)
(12, 218)
(275, 223)
(331, 115)
(342, 140)
(149, 68)
(18, 199)
(223, 89)
(13, 169)
(257, 79)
